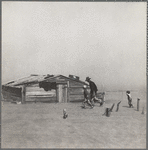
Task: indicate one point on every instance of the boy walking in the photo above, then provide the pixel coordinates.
(86, 97)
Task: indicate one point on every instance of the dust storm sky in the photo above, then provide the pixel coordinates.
(103, 40)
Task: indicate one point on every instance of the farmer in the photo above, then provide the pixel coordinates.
(129, 99)
(93, 91)
(86, 97)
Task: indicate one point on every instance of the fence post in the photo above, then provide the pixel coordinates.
(107, 112)
(118, 106)
(111, 109)
(138, 104)
(23, 94)
(68, 91)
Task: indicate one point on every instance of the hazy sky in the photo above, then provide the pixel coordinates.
(103, 40)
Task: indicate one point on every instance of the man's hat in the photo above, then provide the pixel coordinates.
(87, 78)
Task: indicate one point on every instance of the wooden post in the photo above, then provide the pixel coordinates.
(64, 91)
(112, 107)
(118, 106)
(59, 93)
(68, 91)
(107, 112)
(23, 94)
(138, 104)
(103, 96)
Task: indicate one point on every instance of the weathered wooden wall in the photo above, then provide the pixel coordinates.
(70, 91)
(75, 91)
(35, 93)
(12, 93)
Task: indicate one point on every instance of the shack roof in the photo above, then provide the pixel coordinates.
(33, 79)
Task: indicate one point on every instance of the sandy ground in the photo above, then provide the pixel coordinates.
(41, 125)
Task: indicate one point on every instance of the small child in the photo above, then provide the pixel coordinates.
(86, 97)
(129, 99)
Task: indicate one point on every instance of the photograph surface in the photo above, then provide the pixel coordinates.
(73, 75)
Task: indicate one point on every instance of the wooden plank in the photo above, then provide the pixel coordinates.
(68, 91)
(7, 97)
(23, 94)
(35, 88)
(5, 93)
(65, 93)
(66, 79)
(61, 82)
(10, 96)
(76, 89)
(13, 90)
(26, 80)
(74, 83)
(77, 96)
(33, 85)
(76, 93)
(39, 91)
(14, 98)
(41, 99)
(40, 96)
(51, 80)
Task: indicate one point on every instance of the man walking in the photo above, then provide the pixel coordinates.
(93, 91)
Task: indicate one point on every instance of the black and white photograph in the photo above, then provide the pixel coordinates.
(73, 74)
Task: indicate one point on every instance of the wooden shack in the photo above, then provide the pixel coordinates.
(52, 88)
